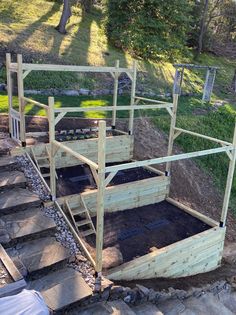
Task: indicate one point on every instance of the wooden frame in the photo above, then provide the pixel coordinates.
(146, 266)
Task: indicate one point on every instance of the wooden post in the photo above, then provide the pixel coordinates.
(172, 131)
(229, 182)
(20, 85)
(9, 90)
(51, 122)
(133, 87)
(100, 195)
(115, 93)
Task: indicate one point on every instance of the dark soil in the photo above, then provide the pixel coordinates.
(136, 230)
(77, 179)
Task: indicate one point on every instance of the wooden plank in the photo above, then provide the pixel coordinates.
(110, 108)
(29, 100)
(152, 100)
(176, 259)
(9, 90)
(118, 149)
(132, 99)
(79, 156)
(130, 195)
(115, 93)
(70, 68)
(202, 136)
(229, 182)
(172, 132)
(109, 178)
(51, 120)
(165, 159)
(100, 194)
(9, 265)
(20, 86)
(194, 213)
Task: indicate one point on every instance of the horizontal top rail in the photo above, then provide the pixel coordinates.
(149, 100)
(69, 68)
(75, 154)
(165, 159)
(202, 136)
(189, 65)
(111, 108)
(34, 102)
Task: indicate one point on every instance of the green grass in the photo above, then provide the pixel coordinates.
(28, 27)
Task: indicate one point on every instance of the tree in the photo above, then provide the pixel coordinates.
(66, 14)
(202, 26)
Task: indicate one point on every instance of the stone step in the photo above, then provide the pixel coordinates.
(39, 254)
(7, 163)
(146, 308)
(61, 288)
(10, 179)
(27, 224)
(17, 199)
(108, 308)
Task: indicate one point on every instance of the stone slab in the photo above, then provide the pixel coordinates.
(11, 179)
(69, 291)
(7, 163)
(17, 199)
(26, 223)
(39, 254)
(107, 308)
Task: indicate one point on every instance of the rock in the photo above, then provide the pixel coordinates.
(71, 92)
(143, 289)
(127, 299)
(2, 87)
(4, 238)
(80, 257)
(84, 91)
(112, 257)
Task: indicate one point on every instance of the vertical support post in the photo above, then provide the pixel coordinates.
(115, 93)
(100, 195)
(51, 121)
(229, 182)
(209, 84)
(9, 90)
(20, 85)
(133, 87)
(172, 131)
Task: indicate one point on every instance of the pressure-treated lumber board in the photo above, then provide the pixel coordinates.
(126, 196)
(199, 253)
(194, 213)
(118, 149)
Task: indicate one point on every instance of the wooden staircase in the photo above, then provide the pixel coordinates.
(42, 161)
(80, 217)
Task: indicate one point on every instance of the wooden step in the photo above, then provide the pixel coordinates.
(83, 222)
(27, 223)
(62, 288)
(45, 174)
(39, 158)
(39, 254)
(17, 199)
(88, 232)
(76, 211)
(10, 179)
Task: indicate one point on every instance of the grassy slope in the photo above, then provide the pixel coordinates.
(28, 26)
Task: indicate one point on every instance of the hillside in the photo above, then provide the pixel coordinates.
(27, 27)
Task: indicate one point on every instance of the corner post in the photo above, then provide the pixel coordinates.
(51, 120)
(172, 131)
(115, 93)
(20, 85)
(9, 90)
(229, 182)
(133, 88)
(100, 195)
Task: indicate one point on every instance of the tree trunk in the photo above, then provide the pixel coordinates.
(66, 14)
(234, 82)
(202, 27)
(87, 4)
